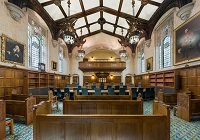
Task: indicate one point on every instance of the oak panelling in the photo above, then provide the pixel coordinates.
(102, 107)
(21, 109)
(2, 119)
(113, 127)
(187, 107)
(101, 130)
(118, 127)
(75, 130)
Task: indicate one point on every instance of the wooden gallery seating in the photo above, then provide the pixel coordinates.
(187, 107)
(167, 98)
(102, 107)
(21, 108)
(2, 119)
(103, 126)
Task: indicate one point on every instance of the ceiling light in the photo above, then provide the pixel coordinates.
(68, 34)
(134, 34)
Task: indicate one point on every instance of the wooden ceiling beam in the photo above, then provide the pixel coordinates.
(63, 11)
(47, 3)
(154, 3)
(101, 12)
(80, 15)
(118, 12)
(139, 11)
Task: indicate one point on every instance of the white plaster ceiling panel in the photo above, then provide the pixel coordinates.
(108, 27)
(148, 11)
(94, 27)
(54, 11)
(122, 22)
(80, 22)
(159, 1)
(42, 1)
(74, 7)
(114, 4)
(127, 7)
(119, 31)
(93, 17)
(88, 4)
(109, 17)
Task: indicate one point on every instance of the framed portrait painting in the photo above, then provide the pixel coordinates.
(54, 65)
(187, 41)
(149, 64)
(12, 51)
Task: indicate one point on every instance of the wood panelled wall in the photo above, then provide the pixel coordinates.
(115, 79)
(23, 80)
(190, 78)
(11, 79)
(169, 81)
(144, 79)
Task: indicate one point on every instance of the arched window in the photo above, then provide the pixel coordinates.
(165, 51)
(60, 60)
(36, 46)
(142, 62)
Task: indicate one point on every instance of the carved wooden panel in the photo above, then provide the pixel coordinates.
(103, 108)
(191, 72)
(127, 130)
(75, 130)
(47, 129)
(191, 81)
(102, 130)
(182, 100)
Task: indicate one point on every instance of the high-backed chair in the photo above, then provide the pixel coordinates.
(116, 87)
(147, 93)
(52, 98)
(84, 91)
(109, 86)
(77, 89)
(152, 93)
(66, 91)
(110, 91)
(86, 83)
(122, 91)
(67, 84)
(102, 87)
(59, 94)
(141, 90)
(93, 87)
(125, 87)
(134, 93)
(97, 91)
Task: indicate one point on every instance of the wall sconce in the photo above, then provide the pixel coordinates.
(111, 77)
(92, 77)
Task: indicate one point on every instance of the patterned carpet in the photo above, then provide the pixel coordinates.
(179, 129)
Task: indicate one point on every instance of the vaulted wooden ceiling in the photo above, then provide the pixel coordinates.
(95, 16)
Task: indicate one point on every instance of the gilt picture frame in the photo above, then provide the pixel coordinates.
(149, 64)
(12, 51)
(54, 65)
(187, 41)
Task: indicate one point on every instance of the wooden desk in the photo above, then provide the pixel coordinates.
(102, 97)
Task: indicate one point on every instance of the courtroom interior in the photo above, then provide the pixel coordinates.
(99, 69)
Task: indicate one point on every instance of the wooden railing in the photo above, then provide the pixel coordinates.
(102, 66)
